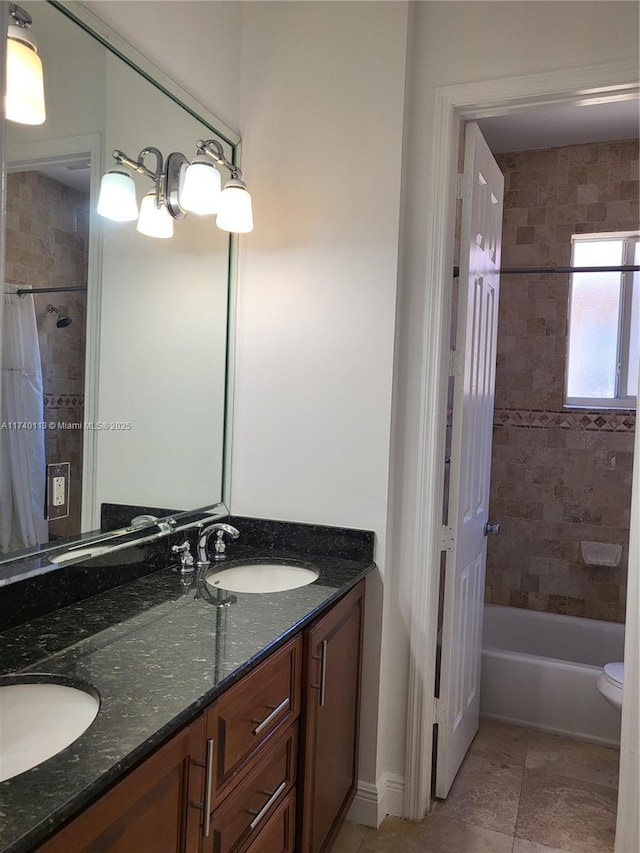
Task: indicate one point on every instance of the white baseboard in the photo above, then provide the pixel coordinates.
(373, 803)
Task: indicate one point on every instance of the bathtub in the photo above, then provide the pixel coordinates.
(540, 670)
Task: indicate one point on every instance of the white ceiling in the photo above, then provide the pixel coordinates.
(75, 175)
(560, 124)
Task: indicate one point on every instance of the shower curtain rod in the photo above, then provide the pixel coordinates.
(23, 291)
(555, 270)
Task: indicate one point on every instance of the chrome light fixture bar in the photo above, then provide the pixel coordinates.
(180, 187)
(24, 98)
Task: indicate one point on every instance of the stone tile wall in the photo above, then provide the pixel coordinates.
(47, 242)
(558, 476)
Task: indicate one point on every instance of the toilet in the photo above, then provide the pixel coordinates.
(610, 683)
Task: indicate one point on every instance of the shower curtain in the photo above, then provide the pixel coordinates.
(22, 458)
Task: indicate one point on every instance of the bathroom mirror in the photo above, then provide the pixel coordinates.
(131, 331)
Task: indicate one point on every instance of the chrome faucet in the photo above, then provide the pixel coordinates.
(186, 558)
(219, 546)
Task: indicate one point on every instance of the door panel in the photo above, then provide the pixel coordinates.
(473, 398)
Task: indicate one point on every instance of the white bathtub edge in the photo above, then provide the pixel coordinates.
(552, 730)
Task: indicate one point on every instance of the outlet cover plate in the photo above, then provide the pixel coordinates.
(56, 508)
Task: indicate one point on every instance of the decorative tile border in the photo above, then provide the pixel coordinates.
(63, 401)
(601, 421)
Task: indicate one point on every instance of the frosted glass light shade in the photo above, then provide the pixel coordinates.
(235, 213)
(201, 188)
(24, 101)
(154, 221)
(117, 200)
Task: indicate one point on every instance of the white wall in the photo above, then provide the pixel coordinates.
(196, 43)
(322, 98)
(321, 119)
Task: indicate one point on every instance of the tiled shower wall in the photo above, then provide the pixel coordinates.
(559, 475)
(47, 241)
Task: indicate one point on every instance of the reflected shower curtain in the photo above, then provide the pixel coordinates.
(22, 459)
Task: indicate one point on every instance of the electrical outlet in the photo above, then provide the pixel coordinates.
(58, 490)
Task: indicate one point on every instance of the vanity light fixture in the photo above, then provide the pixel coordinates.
(180, 187)
(154, 220)
(117, 199)
(201, 187)
(24, 98)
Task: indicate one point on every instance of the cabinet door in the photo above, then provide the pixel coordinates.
(332, 654)
(152, 810)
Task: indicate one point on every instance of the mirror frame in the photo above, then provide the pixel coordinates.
(179, 520)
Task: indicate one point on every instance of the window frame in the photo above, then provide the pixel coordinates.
(630, 239)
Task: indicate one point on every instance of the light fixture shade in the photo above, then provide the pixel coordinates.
(24, 101)
(201, 187)
(117, 199)
(235, 213)
(154, 221)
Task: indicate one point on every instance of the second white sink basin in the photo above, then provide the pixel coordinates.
(38, 720)
(74, 556)
(262, 577)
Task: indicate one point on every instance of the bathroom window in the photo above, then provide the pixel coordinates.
(603, 346)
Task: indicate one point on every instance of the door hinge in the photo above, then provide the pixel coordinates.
(456, 362)
(447, 538)
(439, 711)
(465, 184)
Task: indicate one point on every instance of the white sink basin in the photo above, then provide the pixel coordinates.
(262, 577)
(38, 720)
(79, 554)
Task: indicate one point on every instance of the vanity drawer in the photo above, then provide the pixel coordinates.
(279, 832)
(265, 701)
(249, 808)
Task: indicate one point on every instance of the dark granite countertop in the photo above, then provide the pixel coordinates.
(157, 650)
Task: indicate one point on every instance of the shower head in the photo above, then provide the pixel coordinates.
(62, 321)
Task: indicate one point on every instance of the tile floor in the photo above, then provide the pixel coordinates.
(518, 791)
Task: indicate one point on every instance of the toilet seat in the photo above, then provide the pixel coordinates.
(610, 683)
(614, 673)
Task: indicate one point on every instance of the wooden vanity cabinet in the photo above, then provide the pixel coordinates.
(331, 688)
(150, 810)
(269, 779)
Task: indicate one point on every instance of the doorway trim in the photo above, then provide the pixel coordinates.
(452, 105)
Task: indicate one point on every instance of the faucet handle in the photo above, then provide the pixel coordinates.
(220, 546)
(186, 557)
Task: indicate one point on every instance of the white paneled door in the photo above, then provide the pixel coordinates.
(473, 365)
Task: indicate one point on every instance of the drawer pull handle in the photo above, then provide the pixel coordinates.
(259, 815)
(322, 687)
(207, 789)
(262, 724)
(206, 806)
